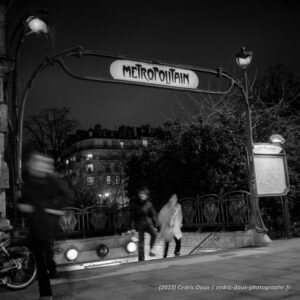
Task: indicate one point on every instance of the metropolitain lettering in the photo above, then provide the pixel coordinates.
(169, 76)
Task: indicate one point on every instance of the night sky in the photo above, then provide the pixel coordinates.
(199, 33)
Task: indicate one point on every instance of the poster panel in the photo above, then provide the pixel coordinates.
(271, 175)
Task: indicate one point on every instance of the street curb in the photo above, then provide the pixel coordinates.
(145, 266)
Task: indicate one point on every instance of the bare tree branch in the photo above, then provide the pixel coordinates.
(50, 129)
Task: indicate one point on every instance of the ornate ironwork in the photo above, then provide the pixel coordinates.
(93, 220)
(209, 209)
(71, 220)
(237, 204)
(229, 210)
(188, 210)
(210, 212)
(98, 219)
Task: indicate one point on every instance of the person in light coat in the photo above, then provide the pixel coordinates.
(170, 221)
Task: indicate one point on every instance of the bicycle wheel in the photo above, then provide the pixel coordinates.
(23, 270)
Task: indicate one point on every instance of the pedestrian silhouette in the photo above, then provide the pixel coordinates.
(42, 192)
(144, 218)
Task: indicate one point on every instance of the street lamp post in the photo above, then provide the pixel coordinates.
(28, 25)
(243, 59)
(31, 23)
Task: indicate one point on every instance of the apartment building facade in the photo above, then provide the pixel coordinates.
(94, 161)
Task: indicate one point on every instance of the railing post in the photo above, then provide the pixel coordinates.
(198, 212)
(222, 211)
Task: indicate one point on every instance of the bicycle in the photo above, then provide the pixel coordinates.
(17, 263)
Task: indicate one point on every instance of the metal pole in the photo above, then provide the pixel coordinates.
(255, 220)
(40, 68)
(19, 35)
(286, 217)
(283, 215)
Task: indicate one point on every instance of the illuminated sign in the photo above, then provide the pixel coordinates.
(153, 74)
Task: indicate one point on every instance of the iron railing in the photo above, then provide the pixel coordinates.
(92, 221)
(225, 211)
(210, 211)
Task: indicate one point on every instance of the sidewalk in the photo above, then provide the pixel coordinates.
(248, 273)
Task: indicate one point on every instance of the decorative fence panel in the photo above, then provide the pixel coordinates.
(210, 210)
(214, 211)
(236, 208)
(71, 224)
(99, 219)
(190, 212)
(93, 220)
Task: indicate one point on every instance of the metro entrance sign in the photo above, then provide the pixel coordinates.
(157, 74)
(153, 74)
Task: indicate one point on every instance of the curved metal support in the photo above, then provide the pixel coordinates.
(218, 73)
(15, 46)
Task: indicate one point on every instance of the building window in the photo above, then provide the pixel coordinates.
(89, 156)
(145, 143)
(90, 180)
(89, 168)
(108, 179)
